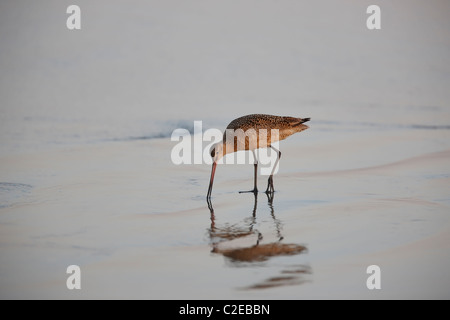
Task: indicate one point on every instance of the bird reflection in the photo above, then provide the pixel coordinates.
(241, 245)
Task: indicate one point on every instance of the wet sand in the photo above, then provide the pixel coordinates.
(139, 226)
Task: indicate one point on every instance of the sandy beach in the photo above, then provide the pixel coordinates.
(86, 176)
(113, 220)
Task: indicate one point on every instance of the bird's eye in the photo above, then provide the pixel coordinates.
(213, 152)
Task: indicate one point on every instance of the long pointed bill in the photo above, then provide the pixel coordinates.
(213, 171)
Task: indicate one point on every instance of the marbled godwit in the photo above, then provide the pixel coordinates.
(253, 123)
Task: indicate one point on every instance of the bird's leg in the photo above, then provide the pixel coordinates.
(270, 188)
(255, 187)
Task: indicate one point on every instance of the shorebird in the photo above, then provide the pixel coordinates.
(252, 125)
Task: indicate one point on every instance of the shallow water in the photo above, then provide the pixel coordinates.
(86, 176)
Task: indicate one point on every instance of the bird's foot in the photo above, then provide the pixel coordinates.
(270, 189)
(254, 191)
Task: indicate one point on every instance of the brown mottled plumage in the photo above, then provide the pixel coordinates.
(286, 125)
(265, 121)
(253, 127)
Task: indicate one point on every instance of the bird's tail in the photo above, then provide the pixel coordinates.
(300, 121)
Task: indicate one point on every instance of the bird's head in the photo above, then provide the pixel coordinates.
(217, 151)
